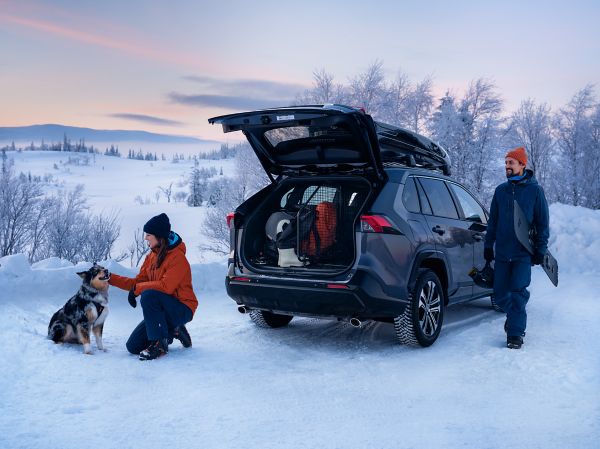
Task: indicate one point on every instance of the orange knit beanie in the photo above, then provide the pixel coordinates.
(519, 154)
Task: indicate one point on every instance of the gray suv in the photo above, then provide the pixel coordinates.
(361, 221)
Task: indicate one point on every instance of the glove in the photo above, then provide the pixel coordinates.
(488, 254)
(537, 259)
(131, 298)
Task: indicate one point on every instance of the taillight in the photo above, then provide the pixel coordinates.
(377, 224)
(240, 279)
(230, 216)
(338, 286)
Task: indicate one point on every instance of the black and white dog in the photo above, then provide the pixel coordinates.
(84, 313)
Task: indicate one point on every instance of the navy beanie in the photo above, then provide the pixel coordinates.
(158, 226)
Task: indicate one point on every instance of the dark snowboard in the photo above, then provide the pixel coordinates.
(550, 264)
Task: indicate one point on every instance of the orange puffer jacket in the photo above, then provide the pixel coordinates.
(173, 277)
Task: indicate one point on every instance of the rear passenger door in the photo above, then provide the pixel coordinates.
(451, 235)
(474, 214)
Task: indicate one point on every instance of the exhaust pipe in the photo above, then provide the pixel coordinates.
(243, 309)
(355, 322)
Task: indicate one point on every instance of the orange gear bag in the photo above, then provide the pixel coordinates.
(322, 235)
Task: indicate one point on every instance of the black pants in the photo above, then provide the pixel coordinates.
(162, 313)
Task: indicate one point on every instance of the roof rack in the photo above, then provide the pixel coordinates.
(404, 147)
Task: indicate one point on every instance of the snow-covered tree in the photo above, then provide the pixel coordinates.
(593, 165)
(323, 91)
(394, 106)
(573, 126)
(367, 89)
(19, 200)
(38, 229)
(471, 131)
(418, 106)
(530, 126)
(106, 230)
(249, 178)
(197, 185)
(66, 225)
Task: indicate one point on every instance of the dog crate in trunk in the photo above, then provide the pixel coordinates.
(306, 225)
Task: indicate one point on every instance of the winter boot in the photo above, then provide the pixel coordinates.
(506, 328)
(182, 334)
(156, 349)
(514, 342)
(288, 258)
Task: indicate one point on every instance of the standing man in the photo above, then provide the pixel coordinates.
(512, 269)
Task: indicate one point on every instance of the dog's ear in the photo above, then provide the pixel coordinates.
(82, 274)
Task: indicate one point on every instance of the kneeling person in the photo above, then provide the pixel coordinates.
(167, 297)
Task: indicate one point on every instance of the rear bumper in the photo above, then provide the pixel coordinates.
(364, 299)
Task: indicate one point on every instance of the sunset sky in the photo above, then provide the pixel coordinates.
(167, 67)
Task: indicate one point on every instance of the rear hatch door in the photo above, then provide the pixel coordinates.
(308, 140)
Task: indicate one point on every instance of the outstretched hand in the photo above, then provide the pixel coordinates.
(131, 298)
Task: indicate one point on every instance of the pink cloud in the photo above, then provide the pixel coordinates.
(123, 44)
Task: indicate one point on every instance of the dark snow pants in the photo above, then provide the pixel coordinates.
(511, 280)
(162, 313)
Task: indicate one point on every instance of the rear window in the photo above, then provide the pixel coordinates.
(315, 144)
(278, 135)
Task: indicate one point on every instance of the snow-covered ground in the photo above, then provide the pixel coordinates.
(314, 384)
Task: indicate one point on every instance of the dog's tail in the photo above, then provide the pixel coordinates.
(56, 328)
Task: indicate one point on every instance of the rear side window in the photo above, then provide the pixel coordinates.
(410, 197)
(471, 208)
(425, 206)
(439, 197)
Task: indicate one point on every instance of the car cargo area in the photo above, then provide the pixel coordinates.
(305, 225)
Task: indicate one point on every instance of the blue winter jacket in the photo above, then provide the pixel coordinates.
(501, 230)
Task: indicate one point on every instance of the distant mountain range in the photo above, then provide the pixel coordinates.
(56, 133)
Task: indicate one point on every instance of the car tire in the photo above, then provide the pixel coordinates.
(495, 306)
(421, 322)
(262, 318)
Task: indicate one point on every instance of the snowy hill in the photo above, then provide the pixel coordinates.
(315, 384)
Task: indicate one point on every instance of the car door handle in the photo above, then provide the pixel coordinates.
(438, 230)
(478, 237)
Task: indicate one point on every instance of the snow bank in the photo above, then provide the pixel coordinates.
(51, 263)
(59, 280)
(574, 238)
(13, 266)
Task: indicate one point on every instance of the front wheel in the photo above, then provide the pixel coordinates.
(262, 318)
(421, 322)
